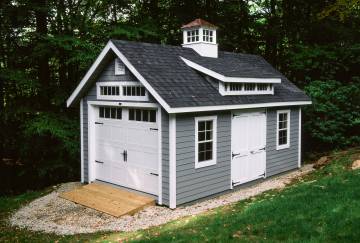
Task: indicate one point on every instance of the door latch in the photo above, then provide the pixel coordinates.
(124, 155)
(99, 123)
(262, 148)
(233, 155)
(154, 174)
(154, 129)
(100, 162)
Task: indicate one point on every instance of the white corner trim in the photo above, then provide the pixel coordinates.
(110, 46)
(236, 107)
(159, 115)
(82, 140)
(214, 149)
(299, 134)
(287, 145)
(172, 161)
(223, 78)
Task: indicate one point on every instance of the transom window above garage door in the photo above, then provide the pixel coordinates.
(110, 112)
(128, 90)
(143, 115)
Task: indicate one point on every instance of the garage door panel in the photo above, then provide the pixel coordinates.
(139, 139)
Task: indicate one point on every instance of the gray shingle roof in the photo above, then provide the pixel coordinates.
(181, 86)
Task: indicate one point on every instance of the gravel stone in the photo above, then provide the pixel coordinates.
(52, 214)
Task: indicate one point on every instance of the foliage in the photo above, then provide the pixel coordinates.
(334, 117)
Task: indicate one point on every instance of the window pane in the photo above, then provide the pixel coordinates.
(138, 91)
(105, 90)
(208, 135)
(101, 112)
(131, 114)
(128, 91)
(201, 147)
(107, 112)
(118, 113)
(201, 136)
(209, 125)
(152, 116)
(113, 92)
(201, 126)
(101, 90)
(113, 113)
(133, 91)
(282, 137)
(208, 155)
(145, 115)
(142, 91)
(201, 156)
(117, 90)
(124, 91)
(138, 115)
(109, 90)
(208, 146)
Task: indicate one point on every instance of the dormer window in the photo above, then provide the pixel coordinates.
(128, 90)
(231, 88)
(208, 35)
(192, 36)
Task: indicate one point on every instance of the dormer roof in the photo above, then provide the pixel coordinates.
(197, 23)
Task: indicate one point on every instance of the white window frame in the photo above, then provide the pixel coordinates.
(287, 145)
(119, 67)
(120, 84)
(202, 164)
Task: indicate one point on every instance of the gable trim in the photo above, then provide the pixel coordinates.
(110, 46)
(223, 78)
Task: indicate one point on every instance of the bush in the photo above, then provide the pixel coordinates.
(333, 121)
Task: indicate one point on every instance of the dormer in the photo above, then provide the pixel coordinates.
(200, 35)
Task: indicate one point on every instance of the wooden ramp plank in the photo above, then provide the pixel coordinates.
(107, 199)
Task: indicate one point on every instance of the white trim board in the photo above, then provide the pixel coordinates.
(82, 139)
(172, 161)
(223, 78)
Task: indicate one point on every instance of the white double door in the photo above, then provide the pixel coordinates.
(248, 143)
(126, 153)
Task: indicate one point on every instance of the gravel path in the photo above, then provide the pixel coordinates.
(53, 214)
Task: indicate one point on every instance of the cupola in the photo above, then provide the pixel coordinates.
(200, 35)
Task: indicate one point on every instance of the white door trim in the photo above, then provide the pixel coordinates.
(91, 137)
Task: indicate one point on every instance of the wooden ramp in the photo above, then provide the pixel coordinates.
(108, 199)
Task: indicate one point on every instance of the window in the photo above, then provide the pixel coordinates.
(121, 90)
(205, 141)
(192, 35)
(110, 90)
(249, 86)
(283, 129)
(231, 88)
(208, 35)
(119, 67)
(142, 115)
(133, 90)
(110, 112)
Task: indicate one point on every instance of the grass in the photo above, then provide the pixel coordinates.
(322, 207)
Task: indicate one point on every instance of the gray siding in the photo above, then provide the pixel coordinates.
(165, 156)
(191, 183)
(278, 161)
(107, 75)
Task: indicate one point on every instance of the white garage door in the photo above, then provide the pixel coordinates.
(248, 135)
(126, 142)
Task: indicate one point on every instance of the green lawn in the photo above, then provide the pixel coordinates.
(323, 207)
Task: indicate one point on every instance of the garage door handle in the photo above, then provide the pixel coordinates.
(154, 129)
(100, 123)
(154, 174)
(100, 162)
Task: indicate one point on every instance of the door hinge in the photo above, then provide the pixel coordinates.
(124, 155)
(263, 175)
(154, 129)
(100, 162)
(263, 148)
(154, 174)
(100, 123)
(233, 155)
